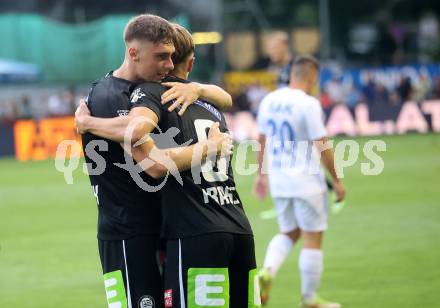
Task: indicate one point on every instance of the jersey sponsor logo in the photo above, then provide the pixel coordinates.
(169, 298)
(146, 301)
(208, 287)
(210, 108)
(220, 194)
(136, 95)
(115, 289)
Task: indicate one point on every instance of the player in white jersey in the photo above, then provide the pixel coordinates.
(293, 139)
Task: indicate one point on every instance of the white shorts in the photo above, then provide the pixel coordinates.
(308, 213)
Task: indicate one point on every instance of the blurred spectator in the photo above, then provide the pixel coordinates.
(69, 98)
(25, 109)
(383, 108)
(12, 113)
(404, 89)
(325, 100)
(2, 112)
(436, 89)
(399, 34)
(281, 59)
(36, 102)
(43, 100)
(335, 90)
(394, 98)
(422, 90)
(241, 101)
(9, 112)
(381, 95)
(57, 106)
(255, 95)
(428, 36)
(353, 97)
(369, 90)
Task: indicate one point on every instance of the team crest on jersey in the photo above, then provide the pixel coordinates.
(136, 95)
(146, 301)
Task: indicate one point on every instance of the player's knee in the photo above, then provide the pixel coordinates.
(312, 239)
(294, 235)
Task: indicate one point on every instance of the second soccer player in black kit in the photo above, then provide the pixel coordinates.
(210, 246)
(129, 218)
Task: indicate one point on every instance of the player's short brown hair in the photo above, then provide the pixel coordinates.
(183, 44)
(304, 65)
(148, 27)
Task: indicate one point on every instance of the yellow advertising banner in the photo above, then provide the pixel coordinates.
(236, 82)
(38, 140)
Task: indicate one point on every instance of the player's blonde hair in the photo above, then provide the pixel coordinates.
(183, 44)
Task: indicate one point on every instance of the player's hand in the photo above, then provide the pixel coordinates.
(261, 186)
(339, 189)
(81, 114)
(184, 93)
(222, 141)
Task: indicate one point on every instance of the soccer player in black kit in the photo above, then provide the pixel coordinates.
(210, 246)
(129, 218)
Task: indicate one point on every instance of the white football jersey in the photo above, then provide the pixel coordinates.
(291, 120)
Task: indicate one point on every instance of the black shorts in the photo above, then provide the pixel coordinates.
(212, 270)
(132, 272)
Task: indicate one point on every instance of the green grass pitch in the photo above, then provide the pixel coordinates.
(382, 250)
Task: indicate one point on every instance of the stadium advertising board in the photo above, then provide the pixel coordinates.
(409, 117)
(340, 120)
(38, 140)
(235, 82)
(389, 76)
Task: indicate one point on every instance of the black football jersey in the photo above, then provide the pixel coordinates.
(207, 200)
(124, 208)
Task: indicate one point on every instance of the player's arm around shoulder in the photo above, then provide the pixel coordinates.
(215, 94)
(134, 126)
(147, 109)
(179, 158)
(185, 94)
(108, 128)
